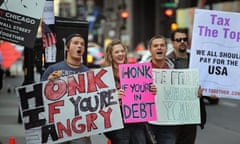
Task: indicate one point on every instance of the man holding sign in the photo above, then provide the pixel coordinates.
(75, 47)
(157, 46)
(73, 103)
(186, 134)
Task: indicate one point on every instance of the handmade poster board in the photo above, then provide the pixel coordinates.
(70, 107)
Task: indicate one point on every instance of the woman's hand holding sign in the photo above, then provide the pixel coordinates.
(153, 89)
(120, 93)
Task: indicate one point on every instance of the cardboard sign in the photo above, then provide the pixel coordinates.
(138, 103)
(48, 12)
(215, 52)
(70, 107)
(19, 21)
(176, 100)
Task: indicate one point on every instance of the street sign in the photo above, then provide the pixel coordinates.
(169, 5)
(9, 54)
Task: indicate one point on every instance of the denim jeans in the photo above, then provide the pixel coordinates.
(130, 134)
(164, 134)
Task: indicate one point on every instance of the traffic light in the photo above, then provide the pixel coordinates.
(173, 26)
(124, 14)
(167, 17)
(168, 12)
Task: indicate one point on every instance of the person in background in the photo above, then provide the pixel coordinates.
(157, 47)
(134, 133)
(75, 47)
(186, 134)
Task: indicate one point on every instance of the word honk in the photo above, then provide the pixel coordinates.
(135, 72)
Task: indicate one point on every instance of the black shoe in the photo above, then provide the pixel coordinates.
(211, 101)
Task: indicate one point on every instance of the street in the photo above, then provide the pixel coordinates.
(222, 121)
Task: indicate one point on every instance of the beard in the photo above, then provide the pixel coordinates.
(182, 48)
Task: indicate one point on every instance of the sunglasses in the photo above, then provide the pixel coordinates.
(181, 39)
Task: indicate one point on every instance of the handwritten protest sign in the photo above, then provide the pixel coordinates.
(138, 103)
(176, 100)
(215, 52)
(70, 107)
(19, 21)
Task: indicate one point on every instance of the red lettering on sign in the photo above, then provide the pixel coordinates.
(56, 89)
(106, 115)
(53, 110)
(73, 85)
(95, 80)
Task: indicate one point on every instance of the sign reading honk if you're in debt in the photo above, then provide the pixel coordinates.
(138, 101)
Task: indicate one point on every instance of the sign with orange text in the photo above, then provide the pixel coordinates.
(215, 52)
(70, 107)
(138, 102)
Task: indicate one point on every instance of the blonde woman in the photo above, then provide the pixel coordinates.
(134, 133)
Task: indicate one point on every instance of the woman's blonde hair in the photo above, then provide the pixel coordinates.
(108, 61)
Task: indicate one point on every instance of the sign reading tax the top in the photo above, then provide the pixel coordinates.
(215, 52)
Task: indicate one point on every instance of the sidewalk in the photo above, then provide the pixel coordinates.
(9, 110)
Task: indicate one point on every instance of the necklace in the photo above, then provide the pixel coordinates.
(73, 65)
(162, 65)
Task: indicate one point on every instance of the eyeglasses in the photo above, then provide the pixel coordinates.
(181, 39)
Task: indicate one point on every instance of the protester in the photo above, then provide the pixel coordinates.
(75, 48)
(186, 134)
(158, 48)
(134, 133)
